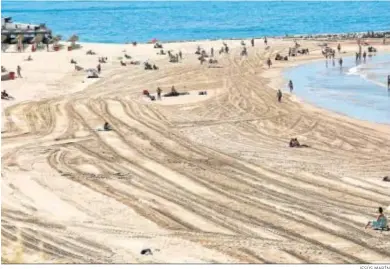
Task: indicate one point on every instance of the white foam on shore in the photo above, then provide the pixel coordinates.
(362, 72)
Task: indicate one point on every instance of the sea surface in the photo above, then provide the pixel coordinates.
(358, 90)
(120, 22)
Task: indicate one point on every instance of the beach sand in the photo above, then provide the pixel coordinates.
(196, 178)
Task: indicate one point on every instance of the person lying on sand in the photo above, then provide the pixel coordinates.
(107, 127)
(73, 61)
(294, 143)
(380, 223)
(5, 95)
(386, 178)
(90, 52)
(29, 58)
(175, 93)
(3, 69)
(127, 56)
(123, 63)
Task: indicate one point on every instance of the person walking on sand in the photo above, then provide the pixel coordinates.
(159, 93)
(180, 55)
(279, 95)
(253, 42)
(47, 46)
(290, 85)
(339, 48)
(18, 70)
(212, 52)
(265, 41)
(99, 68)
(269, 63)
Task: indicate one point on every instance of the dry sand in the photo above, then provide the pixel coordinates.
(193, 178)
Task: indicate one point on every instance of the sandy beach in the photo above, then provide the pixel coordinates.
(195, 178)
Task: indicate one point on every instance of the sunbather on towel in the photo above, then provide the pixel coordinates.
(380, 222)
(107, 127)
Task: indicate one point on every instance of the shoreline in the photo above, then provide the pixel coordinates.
(312, 103)
(281, 83)
(330, 37)
(168, 165)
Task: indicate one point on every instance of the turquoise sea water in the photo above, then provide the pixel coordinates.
(356, 90)
(119, 22)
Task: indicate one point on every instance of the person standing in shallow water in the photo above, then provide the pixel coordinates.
(290, 85)
(341, 62)
(279, 95)
(388, 82)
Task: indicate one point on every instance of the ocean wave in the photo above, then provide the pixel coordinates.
(369, 73)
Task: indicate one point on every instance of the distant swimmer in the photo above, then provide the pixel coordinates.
(291, 85)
